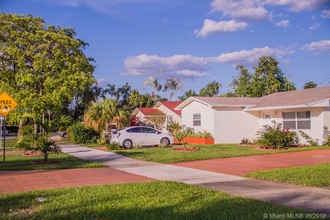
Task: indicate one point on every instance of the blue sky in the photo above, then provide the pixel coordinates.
(197, 41)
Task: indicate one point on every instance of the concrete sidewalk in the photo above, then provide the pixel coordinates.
(307, 198)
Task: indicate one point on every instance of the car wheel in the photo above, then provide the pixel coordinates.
(165, 141)
(127, 143)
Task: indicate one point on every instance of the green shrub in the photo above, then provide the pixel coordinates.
(201, 134)
(173, 126)
(81, 135)
(326, 136)
(246, 141)
(276, 137)
(113, 146)
(309, 139)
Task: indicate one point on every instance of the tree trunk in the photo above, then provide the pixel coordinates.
(45, 156)
(20, 129)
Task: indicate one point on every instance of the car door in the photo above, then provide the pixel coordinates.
(151, 136)
(135, 135)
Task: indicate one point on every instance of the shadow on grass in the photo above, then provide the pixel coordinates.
(155, 200)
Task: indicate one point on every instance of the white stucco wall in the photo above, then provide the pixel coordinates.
(207, 117)
(317, 121)
(168, 112)
(232, 124)
(327, 116)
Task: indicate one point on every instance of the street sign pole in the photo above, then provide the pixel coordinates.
(4, 140)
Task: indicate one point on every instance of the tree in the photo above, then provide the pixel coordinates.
(42, 67)
(102, 113)
(267, 78)
(187, 94)
(211, 89)
(154, 83)
(242, 83)
(310, 85)
(173, 84)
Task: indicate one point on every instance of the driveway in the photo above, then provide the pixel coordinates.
(243, 165)
(19, 181)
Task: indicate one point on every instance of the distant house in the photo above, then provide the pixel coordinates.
(160, 115)
(230, 119)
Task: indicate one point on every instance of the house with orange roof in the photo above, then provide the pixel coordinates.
(160, 115)
(230, 119)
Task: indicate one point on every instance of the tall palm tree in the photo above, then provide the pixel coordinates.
(173, 84)
(154, 83)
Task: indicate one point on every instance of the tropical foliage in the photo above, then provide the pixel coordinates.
(173, 84)
(268, 78)
(78, 134)
(276, 137)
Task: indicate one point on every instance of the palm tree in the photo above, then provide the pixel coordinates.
(154, 83)
(101, 114)
(173, 84)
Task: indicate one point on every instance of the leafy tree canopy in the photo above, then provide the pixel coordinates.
(267, 78)
(211, 89)
(42, 67)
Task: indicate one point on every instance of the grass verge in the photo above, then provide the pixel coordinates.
(166, 155)
(152, 200)
(315, 175)
(62, 161)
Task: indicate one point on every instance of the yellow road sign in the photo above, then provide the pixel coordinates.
(7, 104)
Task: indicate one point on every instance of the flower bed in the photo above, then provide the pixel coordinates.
(196, 140)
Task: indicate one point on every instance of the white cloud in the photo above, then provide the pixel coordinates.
(211, 27)
(325, 14)
(322, 46)
(283, 23)
(179, 65)
(193, 67)
(315, 26)
(251, 56)
(241, 9)
(298, 5)
(102, 82)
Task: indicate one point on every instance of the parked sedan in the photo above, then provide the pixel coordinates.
(140, 135)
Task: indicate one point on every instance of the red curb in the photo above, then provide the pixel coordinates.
(247, 164)
(19, 181)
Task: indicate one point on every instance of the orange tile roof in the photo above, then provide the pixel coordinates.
(150, 111)
(172, 106)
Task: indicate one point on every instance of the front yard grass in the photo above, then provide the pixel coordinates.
(314, 175)
(62, 161)
(166, 155)
(151, 200)
(15, 160)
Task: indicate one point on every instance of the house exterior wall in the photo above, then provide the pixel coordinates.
(326, 116)
(232, 124)
(168, 112)
(140, 116)
(207, 116)
(318, 118)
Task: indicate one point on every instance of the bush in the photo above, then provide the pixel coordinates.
(201, 134)
(309, 139)
(113, 146)
(81, 135)
(276, 137)
(173, 127)
(246, 141)
(326, 136)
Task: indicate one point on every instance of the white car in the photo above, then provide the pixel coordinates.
(140, 135)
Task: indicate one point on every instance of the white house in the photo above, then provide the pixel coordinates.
(161, 114)
(230, 119)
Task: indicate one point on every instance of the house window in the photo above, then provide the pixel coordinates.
(169, 118)
(197, 120)
(266, 116)
(297, 120)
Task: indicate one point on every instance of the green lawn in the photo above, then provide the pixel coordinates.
(10, 145)
(315, 175)
(152, 200)
(63, 161)
(166, 155)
